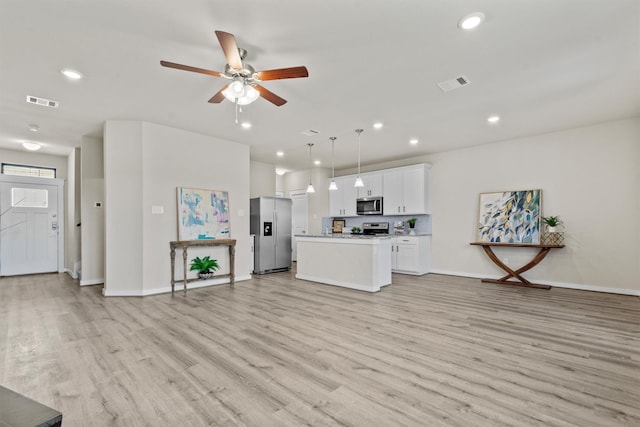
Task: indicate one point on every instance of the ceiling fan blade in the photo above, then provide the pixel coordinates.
(230, 49)
(282, 73)
(218, 97)
(190, 68)
(270, 96)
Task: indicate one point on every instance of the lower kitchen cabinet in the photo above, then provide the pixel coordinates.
(411, 254)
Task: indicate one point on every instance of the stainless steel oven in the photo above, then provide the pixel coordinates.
(369, 206)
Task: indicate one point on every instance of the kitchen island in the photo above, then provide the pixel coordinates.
(356, 262)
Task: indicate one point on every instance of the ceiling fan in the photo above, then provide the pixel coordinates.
(244, 87)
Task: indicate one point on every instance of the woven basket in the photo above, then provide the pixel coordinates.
(555, 238)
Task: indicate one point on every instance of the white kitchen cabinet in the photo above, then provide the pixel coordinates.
(406, 190)
(411, 254)
(372, 185)
(342, 202)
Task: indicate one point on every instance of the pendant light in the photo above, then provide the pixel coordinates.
(359, 182)
(332, 185)
(310, 188)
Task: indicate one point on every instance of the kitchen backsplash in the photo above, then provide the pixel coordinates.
(423, 224)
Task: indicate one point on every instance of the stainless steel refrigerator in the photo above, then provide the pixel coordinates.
(271, 223)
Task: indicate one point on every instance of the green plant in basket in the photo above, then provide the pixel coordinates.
(552, 221)
(204, 265)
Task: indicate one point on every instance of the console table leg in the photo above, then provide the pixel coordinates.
(232, 262)
(184, 260)
(173, 269)
(516, 273)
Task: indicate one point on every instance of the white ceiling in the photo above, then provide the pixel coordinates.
(542, 65)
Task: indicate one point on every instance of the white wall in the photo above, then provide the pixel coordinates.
(589, 176)
(92, 216)
(72, 209)
(263, 179)
(36, 159)
(144, 164)
(318, 202)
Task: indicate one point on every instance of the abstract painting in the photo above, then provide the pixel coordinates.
(510, 217)
(202, 214)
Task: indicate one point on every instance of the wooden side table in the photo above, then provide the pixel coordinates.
(516, 274)
(184, 244)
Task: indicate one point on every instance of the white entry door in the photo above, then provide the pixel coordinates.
(30, 225)
(299, 218)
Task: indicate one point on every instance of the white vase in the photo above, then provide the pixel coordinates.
(551, 229)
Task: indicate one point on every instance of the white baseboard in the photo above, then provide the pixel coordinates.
(73, 274)
(91, 282)
(576, 286)
(166, 289)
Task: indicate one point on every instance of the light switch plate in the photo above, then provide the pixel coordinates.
(157, 210)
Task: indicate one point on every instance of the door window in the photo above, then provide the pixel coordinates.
(29, 198)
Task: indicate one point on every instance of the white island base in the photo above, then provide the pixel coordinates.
(362, 263)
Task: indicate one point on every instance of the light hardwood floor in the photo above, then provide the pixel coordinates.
(274, 351)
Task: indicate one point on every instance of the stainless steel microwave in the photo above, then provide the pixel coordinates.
(369, 206)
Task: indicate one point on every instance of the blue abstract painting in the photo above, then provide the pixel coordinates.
(510, 217)
(202, 214)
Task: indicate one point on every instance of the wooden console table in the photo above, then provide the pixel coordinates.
(184, 244)
(516, 274)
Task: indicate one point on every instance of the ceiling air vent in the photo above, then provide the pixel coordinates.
(452, 84)
(310, 132)
(41, 101)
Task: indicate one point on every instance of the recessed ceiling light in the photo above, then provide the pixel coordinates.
(471, 21)
(34, 128)
(413, 141)
(281, 171)
(71, 74)
(31, 146)
(246, 125)
(316, 162)
(377, 125)
(493, 119)
(280, 153)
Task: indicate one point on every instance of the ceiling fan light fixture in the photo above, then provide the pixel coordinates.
(241, 92)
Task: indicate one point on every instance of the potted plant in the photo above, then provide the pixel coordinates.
(205, 267)
(355, 230)
(412, 224)
(552, 222)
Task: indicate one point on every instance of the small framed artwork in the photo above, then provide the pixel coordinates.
(510, 217)
(338, 225)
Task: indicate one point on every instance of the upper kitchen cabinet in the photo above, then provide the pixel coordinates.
(406, 190)
(342, 202)
(372, 185)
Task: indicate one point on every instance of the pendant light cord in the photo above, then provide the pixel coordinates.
(333, 162)
(359, 131)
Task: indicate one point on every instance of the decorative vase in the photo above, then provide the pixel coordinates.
(412, 226)
(552, 229)
(204, 276)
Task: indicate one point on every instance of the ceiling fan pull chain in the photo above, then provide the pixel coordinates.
(236, 110)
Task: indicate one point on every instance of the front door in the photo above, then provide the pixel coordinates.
(29, 227)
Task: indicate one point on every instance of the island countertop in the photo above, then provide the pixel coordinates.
(345, 236)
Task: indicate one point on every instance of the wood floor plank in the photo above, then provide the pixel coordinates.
(275, 351)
